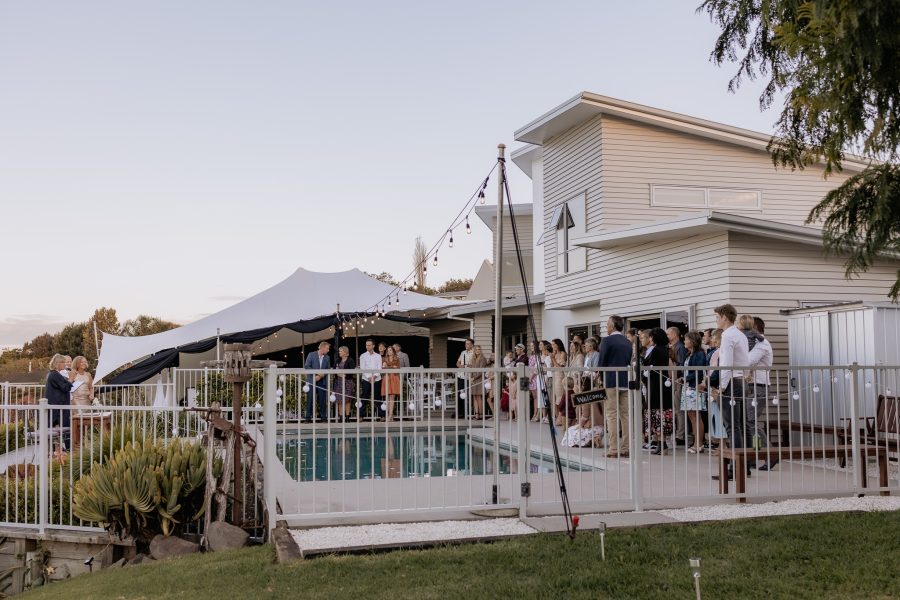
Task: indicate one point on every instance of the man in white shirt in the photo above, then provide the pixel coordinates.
(761, 359)
(371, 382)
(734, 352)
(465, 360)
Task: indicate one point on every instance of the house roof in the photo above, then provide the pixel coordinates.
(586, 105)
(488, 213)
(697, 223)
(488, 306)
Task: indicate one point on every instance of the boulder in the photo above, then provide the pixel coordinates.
(225, 536)
(163, 547)
(58, 573)
(119, 563)
(138, 559)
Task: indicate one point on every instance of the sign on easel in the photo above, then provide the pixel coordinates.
(589, 397)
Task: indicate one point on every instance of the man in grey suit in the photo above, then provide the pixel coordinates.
(403, 356)
(615, 351)
(320, 361)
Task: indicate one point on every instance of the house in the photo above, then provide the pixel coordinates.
(659, 217)
(476, 320)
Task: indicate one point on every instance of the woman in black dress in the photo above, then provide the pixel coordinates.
(657, 380)
(59, 388)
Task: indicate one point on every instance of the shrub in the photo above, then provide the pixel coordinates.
(145, 489)
(12, 437)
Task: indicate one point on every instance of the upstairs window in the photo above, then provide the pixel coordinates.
(568, 220)
(705, 198)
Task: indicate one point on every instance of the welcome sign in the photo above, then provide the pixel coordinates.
(589, 397)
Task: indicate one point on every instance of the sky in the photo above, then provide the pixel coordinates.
(171, 158)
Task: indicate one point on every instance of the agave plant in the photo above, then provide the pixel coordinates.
(145, 489)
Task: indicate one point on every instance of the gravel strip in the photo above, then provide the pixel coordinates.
(721, 512)
(363, 536)
(336, 539)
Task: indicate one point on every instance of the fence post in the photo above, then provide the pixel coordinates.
(854, 432)
(43, 463)
(522, 421)
(269, 435)
(635, 421)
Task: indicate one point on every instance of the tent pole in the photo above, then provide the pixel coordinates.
(498, 315)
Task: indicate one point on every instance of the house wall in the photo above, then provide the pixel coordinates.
(636, 155)
(512, 280)
(768, 275)
(571, 166)
(537, 193)
(484, 331)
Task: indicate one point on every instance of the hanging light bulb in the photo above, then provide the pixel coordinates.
(398, 299)
(404, 290)
(424, 269)
(435, 259)
(481, 196)
(451, 237)
(468, 227)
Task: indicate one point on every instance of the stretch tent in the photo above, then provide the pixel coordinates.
(305, 302)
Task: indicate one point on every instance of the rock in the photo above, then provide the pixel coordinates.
(119, 563)
(58, 573)
(225, 536)
(163, 547)
(138, 559)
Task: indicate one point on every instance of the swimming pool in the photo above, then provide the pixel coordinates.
(394, 455)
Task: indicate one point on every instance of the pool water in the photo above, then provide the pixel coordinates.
(393, 455)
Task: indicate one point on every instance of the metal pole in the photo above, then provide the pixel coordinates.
(858, 464)
(218, 334)
(498, 311)
(44, 482)
(237, 512)
(96, 341)
(522, 450)
(269, 433)
(636, 422)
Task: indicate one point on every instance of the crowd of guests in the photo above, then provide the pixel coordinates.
(685, 402)
(379, 388)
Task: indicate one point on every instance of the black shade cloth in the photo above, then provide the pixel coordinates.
(164, 359)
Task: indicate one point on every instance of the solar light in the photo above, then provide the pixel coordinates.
(775, 401)
(305, 388)
(847, 376)
(868, 384)
(358, 404)
(437, 403)
(795, 396)
(668, 383)
(332, 397)
(816, 389)
(279, 393)
(462, 395)
(384, 407)
(412, 407)
(695, 571)
(487, 385)
(601, 528)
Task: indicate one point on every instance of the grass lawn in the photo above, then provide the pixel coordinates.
(849, 555)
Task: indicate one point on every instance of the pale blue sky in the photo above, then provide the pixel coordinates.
(142, 143)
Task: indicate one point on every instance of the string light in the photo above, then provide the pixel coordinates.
(468, 227)
(481, 196)
(451, 237)
(435, 259)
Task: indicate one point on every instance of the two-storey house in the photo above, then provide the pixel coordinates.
(659, 217)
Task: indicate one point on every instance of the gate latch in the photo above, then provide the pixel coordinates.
(526, 489)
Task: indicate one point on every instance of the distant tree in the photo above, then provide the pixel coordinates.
(420, 264)
(107, 321)
(455, 285)
(146, 325)
(384, 277)
(838, 64)
(39, 347)
(70, 340)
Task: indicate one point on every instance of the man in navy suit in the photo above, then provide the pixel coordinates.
(320, 361)
(615, 351)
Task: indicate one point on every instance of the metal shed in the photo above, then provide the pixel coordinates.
(867, 333)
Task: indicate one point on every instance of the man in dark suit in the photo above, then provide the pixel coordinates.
(615, 351)
(320, 361)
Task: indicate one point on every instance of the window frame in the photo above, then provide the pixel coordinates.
(559, 225)
(706, 201)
